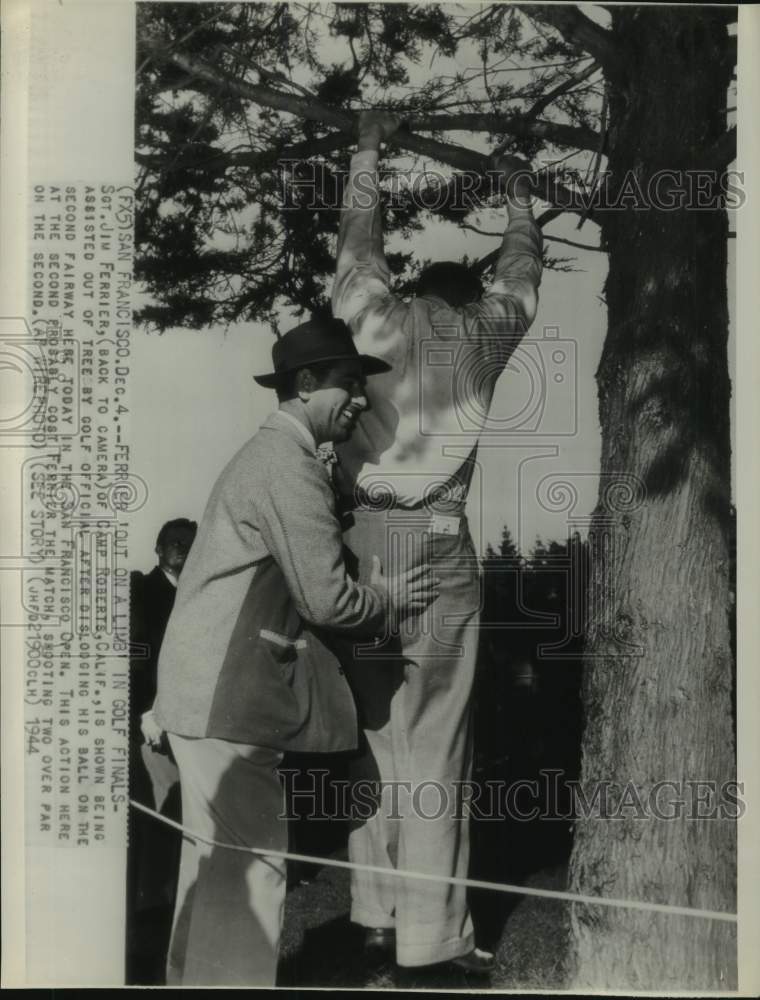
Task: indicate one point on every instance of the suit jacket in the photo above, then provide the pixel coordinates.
(246, 656)
(151, 599)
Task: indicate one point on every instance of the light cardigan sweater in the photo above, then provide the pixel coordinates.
(427, 414)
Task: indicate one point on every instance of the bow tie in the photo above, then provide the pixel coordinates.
(325, 453)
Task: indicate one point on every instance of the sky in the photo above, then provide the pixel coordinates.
(196, 402)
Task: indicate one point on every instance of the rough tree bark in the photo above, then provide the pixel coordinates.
(660, 582)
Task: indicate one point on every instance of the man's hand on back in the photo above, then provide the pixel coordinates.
(408, 592)
(152, 733)
(376, 127)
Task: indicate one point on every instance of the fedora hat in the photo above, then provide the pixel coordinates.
(312, 343)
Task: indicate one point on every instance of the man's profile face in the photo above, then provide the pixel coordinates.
(335, 405)
(173, 551)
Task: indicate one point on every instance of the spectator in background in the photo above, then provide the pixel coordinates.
(153, 855)
(151, 602)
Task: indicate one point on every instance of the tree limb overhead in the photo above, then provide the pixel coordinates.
(578, 29)
(313, 110)
(519, 125)
(572, 81)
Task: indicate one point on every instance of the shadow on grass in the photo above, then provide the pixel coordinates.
(332, 955)
(533, 946)
(321, 947)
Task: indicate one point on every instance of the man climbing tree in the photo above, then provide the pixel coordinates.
(627, 108)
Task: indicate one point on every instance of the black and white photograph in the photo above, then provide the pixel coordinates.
(379, 389)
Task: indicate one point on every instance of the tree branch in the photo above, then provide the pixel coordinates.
(570, 243)
(545, 184)
(309, 147)
(258, 158)
(482, 265)
(311, 110)
(481, 232)
(268, 97)
(544, 101)
(519, 125)
(547, 236)
(455, 156)
(581, 31)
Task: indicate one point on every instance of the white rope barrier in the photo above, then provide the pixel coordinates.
(521, 890)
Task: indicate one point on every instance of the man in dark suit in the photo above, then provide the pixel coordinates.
(153, 856)
(151, 601)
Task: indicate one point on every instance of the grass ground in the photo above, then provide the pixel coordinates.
(320, 946)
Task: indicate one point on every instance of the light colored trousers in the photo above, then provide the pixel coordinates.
(229, 908)
(415, 709)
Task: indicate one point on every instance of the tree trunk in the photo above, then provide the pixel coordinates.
(657, 679)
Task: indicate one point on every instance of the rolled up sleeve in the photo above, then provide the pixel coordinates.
(361, 295)
(503, 315)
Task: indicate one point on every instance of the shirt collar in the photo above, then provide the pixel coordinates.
(302, 429)
(172, 580)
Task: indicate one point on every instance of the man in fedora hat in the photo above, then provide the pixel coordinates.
(246, 669)
(406, 473)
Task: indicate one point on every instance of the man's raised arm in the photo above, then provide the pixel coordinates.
(509, 304)
(361, 295)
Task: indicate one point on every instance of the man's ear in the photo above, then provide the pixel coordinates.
(305, 383)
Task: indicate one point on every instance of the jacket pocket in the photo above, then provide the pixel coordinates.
(284, 650)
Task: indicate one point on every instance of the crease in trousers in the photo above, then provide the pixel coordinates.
(229, 907)
(414, 695)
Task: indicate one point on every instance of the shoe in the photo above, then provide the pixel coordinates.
(380, 939)
(475, 961)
